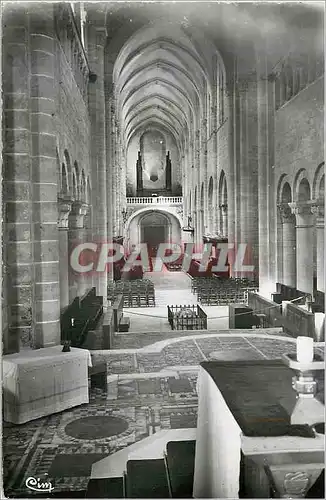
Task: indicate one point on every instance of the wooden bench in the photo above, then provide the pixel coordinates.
(80, 317)
(124, 324)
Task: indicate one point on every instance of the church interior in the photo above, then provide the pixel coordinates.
(163, 281)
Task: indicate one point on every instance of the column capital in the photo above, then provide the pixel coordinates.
(285, 212)
(318, 208)
(303, 208)
(78, 212)
(64, 209)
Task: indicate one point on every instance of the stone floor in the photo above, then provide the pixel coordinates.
(149, 388)
(151, 385)
(155, 319)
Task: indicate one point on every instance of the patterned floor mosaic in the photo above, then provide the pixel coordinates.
(149, 389)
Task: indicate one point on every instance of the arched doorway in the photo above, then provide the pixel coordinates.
(154, 230)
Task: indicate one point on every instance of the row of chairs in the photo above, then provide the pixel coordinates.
(214, 291)
(136, 293)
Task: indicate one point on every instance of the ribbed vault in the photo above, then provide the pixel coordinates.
(161, 80)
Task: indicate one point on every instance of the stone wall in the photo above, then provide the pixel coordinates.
(299, 132)
(71, 116)
(44, 115)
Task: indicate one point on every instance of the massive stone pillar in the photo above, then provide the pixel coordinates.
(231, 179)
(267, 216)
(96, 44)
(109, 113)
(304, 247)
(77, 236)
(319, 210)
(18, 269)
(289, 265)
(64, 207)
(45, 237)
(248, 172)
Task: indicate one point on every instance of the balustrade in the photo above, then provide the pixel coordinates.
(160, 200)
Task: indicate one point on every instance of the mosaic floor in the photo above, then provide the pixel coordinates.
(148, 389)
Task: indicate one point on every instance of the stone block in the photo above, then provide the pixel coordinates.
(19, 191)
(45, 212)
(16, 118)
(16, 167)
(21, 294)
(47, 106)
(42, 122)
(48, 272)
(42, 86)
(17, 212)
(42, 63)
(44, 169)
(44, 231)
(20, 252)
(43, 144)
(15, 99)
(46, 250)
(45, 192)
(16, 141)
(18, 232)
(11, 340)
(20, 315)
(47, 334)
(40, 38)
(24, 337)
(15, 34)
(46, 311)
(47, 291)
(22, 274)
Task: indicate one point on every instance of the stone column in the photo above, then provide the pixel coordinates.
(46, 299)
(18, 269)
(289, 265)
(77, 236)
(267, 217)
(64, 207)
(304, 248)
(231, 177)
(319, 210)
(223, 219)
(109, 112)
(96, 43)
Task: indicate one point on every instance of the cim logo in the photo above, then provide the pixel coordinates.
(37, 485)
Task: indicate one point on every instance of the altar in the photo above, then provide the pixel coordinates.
(43, 381)
(244, 432)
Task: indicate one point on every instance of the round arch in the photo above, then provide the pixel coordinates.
(301, 188)
(132, 232)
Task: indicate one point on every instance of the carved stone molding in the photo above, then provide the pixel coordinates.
(64, 209)
(78, 212)
(318, 208)
(303, 208)
(285, 212)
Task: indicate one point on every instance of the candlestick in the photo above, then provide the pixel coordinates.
(305, 349)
